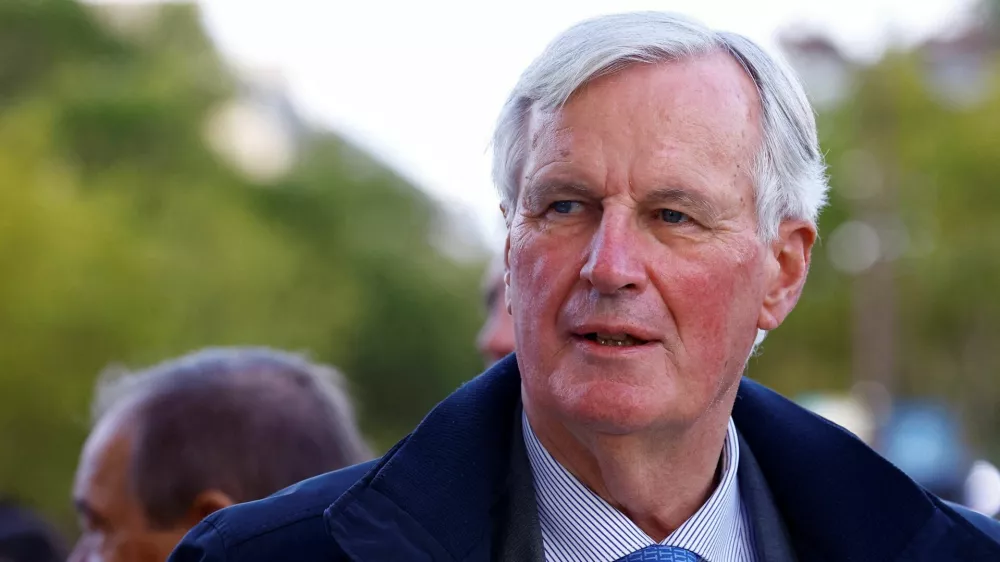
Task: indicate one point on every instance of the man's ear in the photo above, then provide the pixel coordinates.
(506, 273)
(205, 504)
(791, 252)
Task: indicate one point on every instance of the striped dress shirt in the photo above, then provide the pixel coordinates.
(579, 526)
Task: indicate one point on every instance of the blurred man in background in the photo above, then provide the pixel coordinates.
(24, 537)
(496, 337)
(181, 440)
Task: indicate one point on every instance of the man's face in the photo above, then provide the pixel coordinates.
(638, 282)
(114, 524)
(496, 337)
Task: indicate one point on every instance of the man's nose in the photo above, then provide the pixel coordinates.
(616, 262)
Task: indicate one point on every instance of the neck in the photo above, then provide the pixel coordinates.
(658, 479)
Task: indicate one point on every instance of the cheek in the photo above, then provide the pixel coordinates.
(543, 271)
(715, 298)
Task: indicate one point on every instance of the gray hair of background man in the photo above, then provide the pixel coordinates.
(788, 172)
(245, 421)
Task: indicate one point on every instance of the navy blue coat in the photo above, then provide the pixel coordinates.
(448, 492)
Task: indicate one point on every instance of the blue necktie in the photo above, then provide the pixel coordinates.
(661, 553)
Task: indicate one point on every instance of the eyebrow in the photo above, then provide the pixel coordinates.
(685, 198)
(549, 189)
(664, 196)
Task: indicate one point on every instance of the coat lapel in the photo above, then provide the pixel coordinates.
(517, 532)
(435, 496)
(769, 532)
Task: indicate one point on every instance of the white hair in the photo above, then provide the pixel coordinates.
(788, 172)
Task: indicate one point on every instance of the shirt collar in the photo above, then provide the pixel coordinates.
(579, 525)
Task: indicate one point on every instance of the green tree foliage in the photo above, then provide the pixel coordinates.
(124, 238)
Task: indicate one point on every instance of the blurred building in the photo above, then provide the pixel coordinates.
(826, 73)
(958, 67)
(129, 20)
(258, 131)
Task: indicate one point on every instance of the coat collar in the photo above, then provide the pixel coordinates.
(807, 461)
(437, 492)
(840, 499)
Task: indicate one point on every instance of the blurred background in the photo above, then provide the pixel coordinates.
(315, 177)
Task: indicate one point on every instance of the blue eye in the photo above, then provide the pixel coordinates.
(672, 216)
(564, 207)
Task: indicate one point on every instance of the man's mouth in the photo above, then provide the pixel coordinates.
(614, 340)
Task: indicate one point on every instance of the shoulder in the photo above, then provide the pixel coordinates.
(268, 529)
(990, 527)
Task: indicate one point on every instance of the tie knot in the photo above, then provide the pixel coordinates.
(661, 553)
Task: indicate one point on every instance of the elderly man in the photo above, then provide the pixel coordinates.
(186, 438)
(496, 338)
(661, 184)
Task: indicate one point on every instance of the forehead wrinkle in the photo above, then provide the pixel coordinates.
(540, 126)
(545, 148)
(683, 135)
(728, 131)
(535, 189)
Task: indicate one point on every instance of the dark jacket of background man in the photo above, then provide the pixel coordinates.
(25, 537)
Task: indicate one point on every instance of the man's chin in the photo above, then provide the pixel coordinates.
(623, 409)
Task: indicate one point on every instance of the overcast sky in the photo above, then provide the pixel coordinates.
(420, 83)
